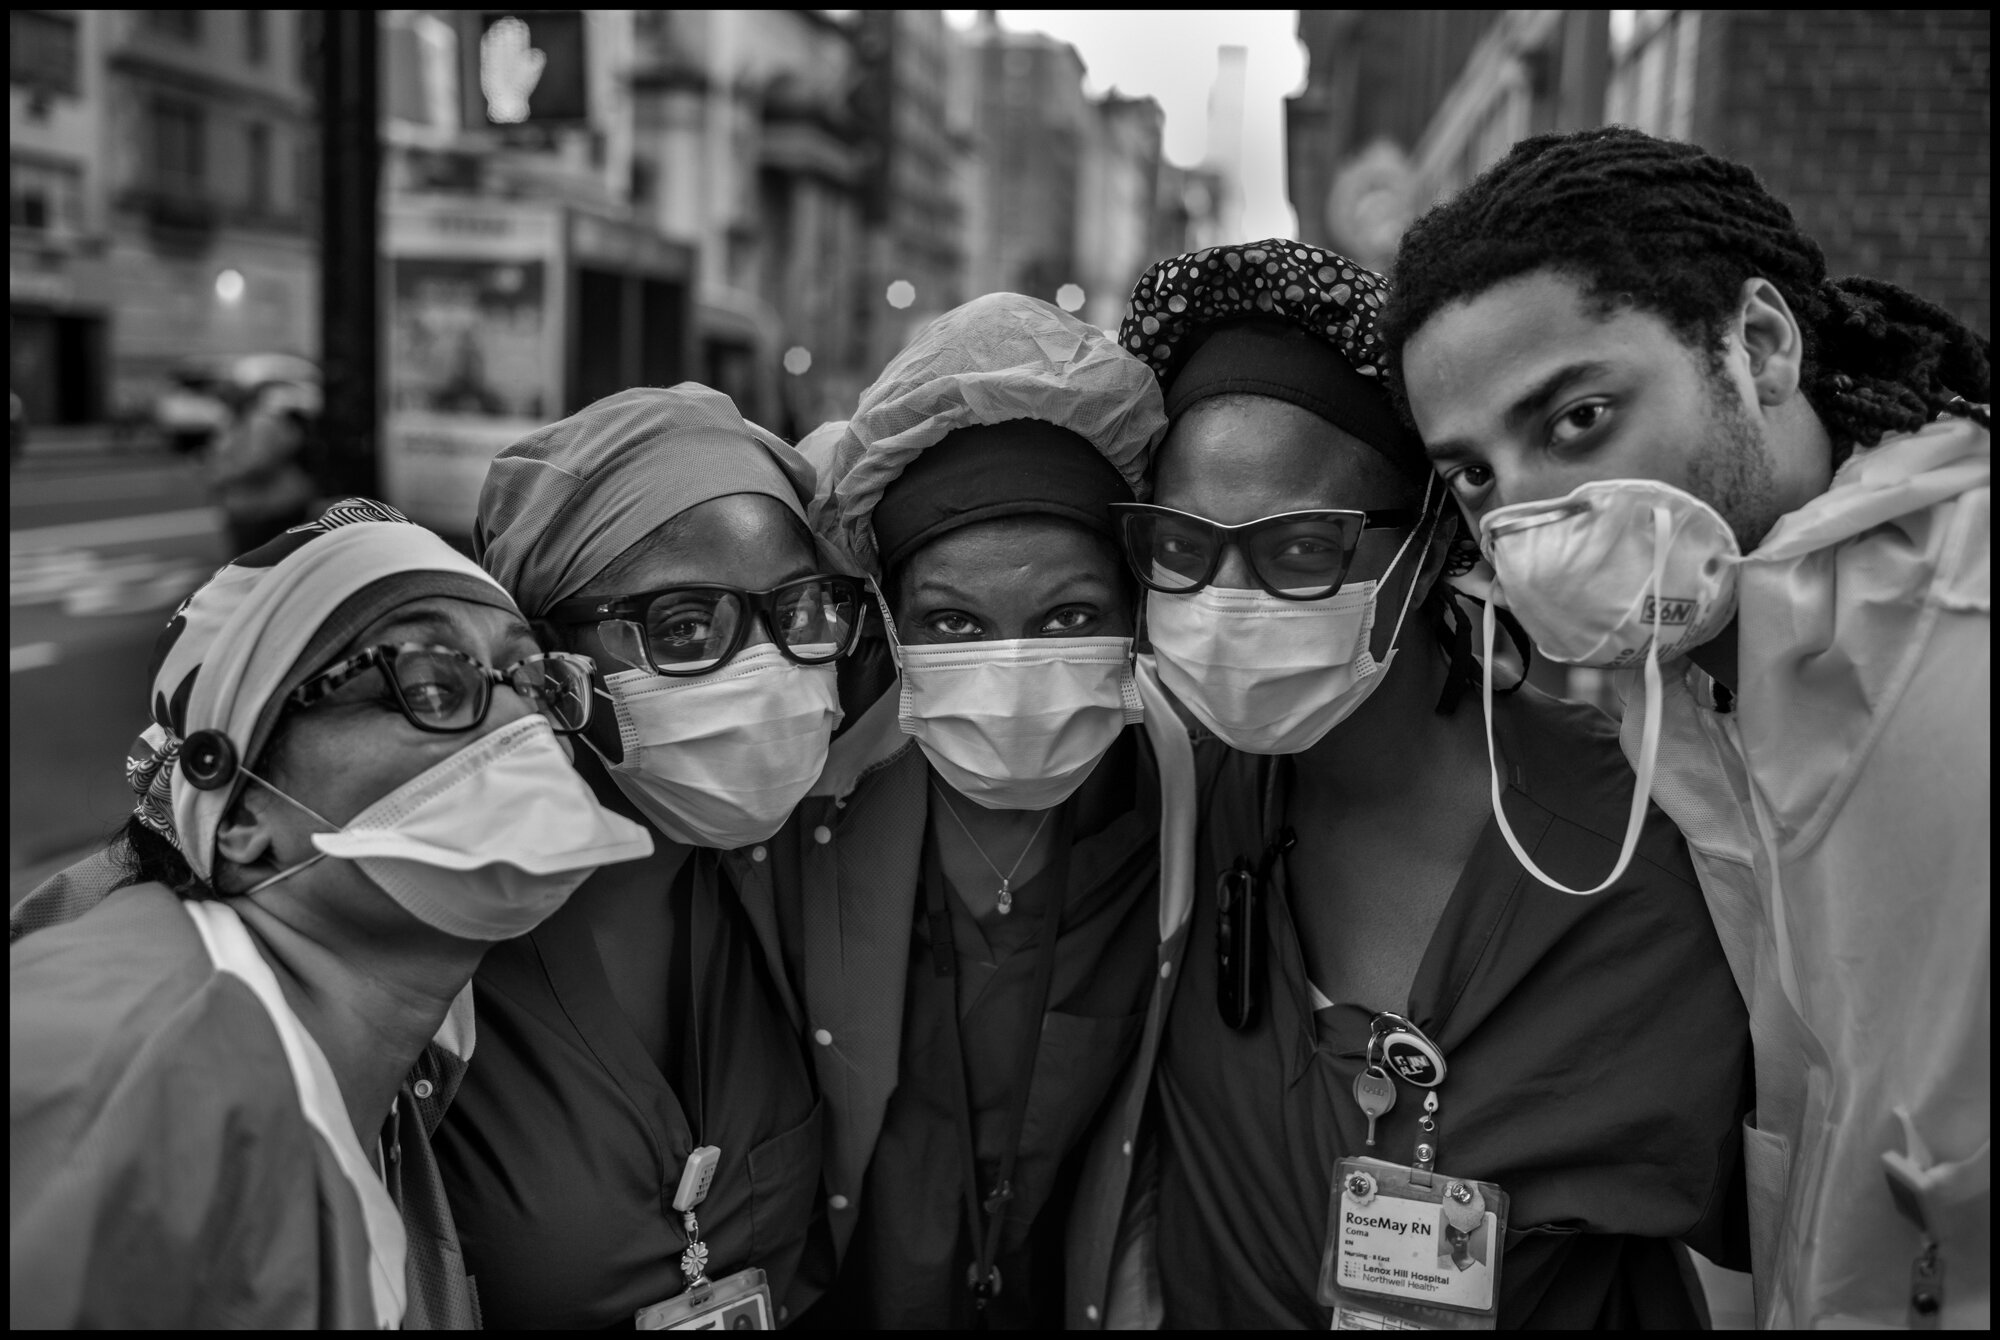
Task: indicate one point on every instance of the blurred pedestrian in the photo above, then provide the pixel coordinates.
(979, 912)
(1766, 496)
(257, 466)
(642, 1128)
(1373, 1018)
(226, 1050)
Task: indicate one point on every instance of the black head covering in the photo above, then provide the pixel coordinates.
(1023, 467)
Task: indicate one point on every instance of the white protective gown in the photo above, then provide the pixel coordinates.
(1840, 822)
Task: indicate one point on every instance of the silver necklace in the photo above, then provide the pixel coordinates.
(1006, 903)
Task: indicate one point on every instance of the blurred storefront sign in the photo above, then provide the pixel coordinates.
(504, 316)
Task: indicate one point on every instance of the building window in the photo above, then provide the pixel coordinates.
(256, 39)
(44, 197)
(1652, 85)
(41, 50)
(258, 169)
(182, 23)
(178, 130)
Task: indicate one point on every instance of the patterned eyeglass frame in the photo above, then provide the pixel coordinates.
(322, 685)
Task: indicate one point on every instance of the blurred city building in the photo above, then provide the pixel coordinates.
(1069, 198)
(525, 272)
(1875, 126)
(162, 192)
(920, 167)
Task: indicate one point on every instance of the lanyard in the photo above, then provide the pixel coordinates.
(986, 1215)
(695, 1107)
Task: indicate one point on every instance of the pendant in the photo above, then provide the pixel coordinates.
(1006, 898)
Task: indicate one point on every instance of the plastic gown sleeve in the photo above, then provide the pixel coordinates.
(186, 1194)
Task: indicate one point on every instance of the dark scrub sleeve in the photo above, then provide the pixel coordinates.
(564, 1148)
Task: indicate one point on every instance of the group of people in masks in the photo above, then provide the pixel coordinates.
(1070, 845)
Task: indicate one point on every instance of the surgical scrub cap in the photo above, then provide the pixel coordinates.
(1273, 318)
(564, 502)
(1000, 359)
(261, 626)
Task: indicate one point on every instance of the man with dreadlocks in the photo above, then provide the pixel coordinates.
(1763, 495)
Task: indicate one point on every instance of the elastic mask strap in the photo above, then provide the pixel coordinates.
(1649, 746)
(303, 808)
(888, 623)
(1411, 590)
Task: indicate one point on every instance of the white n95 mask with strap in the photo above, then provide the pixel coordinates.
(1617, 572)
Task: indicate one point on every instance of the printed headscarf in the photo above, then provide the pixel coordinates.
(997, 359)
(1273, 318)
(263, 624)
(562, 504)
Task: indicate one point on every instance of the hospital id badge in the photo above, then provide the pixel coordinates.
(739, 1302)
(1409, 1250)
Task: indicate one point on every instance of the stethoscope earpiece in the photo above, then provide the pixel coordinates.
(208, 760)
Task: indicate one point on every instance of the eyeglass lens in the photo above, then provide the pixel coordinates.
(1305, 554)
(557, 688)
(446, 692)
(692, 629)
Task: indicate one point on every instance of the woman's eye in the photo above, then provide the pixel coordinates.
(431, 695)
(1068, 620)
(682, 629)
(1577, 420)
(953, 625)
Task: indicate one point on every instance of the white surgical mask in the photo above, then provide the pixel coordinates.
(721, 759)
(489, 842)
(1271, 676)
(1018, 725)
(1618, 572)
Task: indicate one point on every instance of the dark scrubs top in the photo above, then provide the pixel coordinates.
(1596, 1047)
(912, 1246)
(565, 1147)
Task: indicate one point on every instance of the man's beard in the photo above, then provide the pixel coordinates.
(1732, 470)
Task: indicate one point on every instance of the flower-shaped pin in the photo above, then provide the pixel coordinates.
(1360, 1187)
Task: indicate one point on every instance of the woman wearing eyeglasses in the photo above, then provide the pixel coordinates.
(975, 874)
(642, 1128)
(1367, 970)
(230, 1035)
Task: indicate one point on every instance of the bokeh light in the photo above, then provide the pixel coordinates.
(798, 359)
(901, 294)
(229, 285)
(1069, 297)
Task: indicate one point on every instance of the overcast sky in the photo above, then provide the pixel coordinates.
(1170, 55)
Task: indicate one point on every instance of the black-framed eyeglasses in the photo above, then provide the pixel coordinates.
(445, 691)
(698, 627)
(1293, 555)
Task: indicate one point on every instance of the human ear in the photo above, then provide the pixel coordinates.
(1773, 340)
(246, 837)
